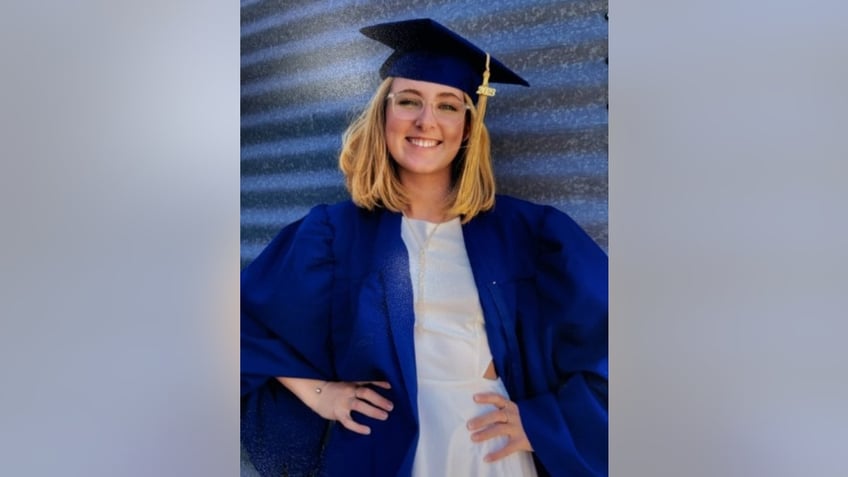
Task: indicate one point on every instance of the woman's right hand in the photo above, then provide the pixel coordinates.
(336, 400)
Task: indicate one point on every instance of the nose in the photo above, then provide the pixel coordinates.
(426, 118)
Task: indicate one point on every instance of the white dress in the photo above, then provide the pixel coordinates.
(451, 354)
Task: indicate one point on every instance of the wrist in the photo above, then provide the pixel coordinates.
(319, 388)
(307, 390)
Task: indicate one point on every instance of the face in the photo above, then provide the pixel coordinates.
(424, 145)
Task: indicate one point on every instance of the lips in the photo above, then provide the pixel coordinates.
(420, 142)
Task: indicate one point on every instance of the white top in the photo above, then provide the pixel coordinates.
(451, 354)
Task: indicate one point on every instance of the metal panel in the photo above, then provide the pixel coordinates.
(306, 71)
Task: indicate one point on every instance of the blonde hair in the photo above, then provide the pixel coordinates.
(371, 174)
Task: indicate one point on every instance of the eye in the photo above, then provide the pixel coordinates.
(409, 102)
(449, 107)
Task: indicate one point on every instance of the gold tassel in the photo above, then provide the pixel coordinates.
(483, 92)
(477, 148)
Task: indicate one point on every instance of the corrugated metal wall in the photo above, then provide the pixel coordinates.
(306, 70)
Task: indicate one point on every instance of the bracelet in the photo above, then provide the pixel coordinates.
(320, 388)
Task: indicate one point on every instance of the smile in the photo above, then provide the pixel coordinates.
(423, 142)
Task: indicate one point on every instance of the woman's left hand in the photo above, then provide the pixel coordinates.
(503, 421)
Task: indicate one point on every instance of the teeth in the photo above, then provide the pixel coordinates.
(424, 142)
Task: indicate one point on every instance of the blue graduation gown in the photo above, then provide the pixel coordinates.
(331, 298)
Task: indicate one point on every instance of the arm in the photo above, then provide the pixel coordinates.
(285, 311)
(556, 342)
(285, 325)
(560, 340)
(568, 422)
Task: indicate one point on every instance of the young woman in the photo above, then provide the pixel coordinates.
(427, 326)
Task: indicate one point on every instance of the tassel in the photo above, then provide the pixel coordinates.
(483, 92)
(478, 148)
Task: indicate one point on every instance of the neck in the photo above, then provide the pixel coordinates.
(435, 215)
(427, 200)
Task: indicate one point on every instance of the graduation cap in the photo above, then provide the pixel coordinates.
(426, 50)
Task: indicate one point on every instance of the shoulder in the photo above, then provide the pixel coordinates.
(509, 206)
(315, 237)
(542, 224)
(514, 203)
(512, 224)
(342, 226)
(316, 229)
(339, 214)
(346, 216)
(345, 207)
(519, 212)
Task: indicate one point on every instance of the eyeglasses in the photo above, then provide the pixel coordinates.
(410, 106)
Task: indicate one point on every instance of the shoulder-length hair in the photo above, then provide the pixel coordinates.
(371, 174)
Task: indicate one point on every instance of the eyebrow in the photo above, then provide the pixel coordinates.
(440, 95)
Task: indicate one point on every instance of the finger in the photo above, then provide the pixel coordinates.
(511, 447)
(379, 384)
(367, 409)
(493, 417)
(490, 432)
(373, 398)
(354, 426)
(495, 399)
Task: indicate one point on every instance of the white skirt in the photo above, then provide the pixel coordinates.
(445, 447)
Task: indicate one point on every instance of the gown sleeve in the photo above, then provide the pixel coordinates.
(285, 317)
(285, 305)
(568, 426)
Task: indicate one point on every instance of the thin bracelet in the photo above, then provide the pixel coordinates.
(320, 388)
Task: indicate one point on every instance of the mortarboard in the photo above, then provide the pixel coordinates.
(426, 50)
